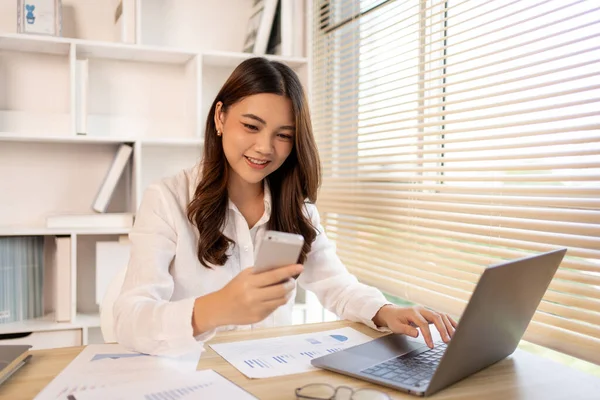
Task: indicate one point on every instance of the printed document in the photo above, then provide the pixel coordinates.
(286, 355)
(105, 365)
(205, 385)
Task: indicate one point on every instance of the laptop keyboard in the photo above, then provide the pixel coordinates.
(412, 369)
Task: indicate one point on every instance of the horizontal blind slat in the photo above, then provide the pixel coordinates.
(486, 238)
(550, 191)
(439, 147)
(495, 198)
(476, 252)
(575, 231)
(495, 235)
(494, 207)
(448, 272)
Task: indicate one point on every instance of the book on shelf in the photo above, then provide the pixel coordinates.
(298, 26)
(58, 295)
(287, 27)
(63, 302)
(259, 26)
(21, 278)
(275, 43)
(287, 30)
(83, 221)
(112, 178)
(124, 21)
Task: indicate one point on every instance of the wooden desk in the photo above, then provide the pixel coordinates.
(520, 376)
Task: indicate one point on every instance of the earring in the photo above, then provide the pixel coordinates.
(219, 133)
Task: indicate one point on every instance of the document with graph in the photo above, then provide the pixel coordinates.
(109, 365)
(205, 384)
(284, 355)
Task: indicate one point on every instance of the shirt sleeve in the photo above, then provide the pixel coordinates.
(145, 319)
(338, 291)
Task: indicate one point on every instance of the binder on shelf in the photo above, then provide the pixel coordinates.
(62, 279)
(112, 178)
(259, 26)
(298, 27)
(91, 221)
(287, 27)
(21, 278)
(124, 20)
(275, 39)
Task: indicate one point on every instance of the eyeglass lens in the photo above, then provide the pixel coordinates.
(323, 391)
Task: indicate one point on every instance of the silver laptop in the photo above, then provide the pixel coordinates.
(12, 357)
(489, 330)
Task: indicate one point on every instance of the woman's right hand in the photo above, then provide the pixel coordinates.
(249, 297)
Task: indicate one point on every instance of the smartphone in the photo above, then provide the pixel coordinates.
(278, 249)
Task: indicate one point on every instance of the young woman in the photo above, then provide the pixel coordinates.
(195, 234)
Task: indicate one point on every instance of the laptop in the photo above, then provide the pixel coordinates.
(495, 319)
(12, 357)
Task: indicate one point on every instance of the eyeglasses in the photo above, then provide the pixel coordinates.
(324, 391)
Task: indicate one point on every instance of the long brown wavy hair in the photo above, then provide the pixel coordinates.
(291, 185)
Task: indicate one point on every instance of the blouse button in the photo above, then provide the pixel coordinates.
(245, 248)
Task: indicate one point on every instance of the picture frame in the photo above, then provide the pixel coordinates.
(39, 17)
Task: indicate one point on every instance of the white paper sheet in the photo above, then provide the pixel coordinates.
(104, 365)
(286, 355)
(205, 384)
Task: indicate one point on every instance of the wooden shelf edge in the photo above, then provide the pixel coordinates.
(47, 323)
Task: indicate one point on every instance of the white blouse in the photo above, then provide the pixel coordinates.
(153, 313)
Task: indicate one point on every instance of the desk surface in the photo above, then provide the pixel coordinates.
(520, 376)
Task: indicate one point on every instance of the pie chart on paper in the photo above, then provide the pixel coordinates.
(339, 338)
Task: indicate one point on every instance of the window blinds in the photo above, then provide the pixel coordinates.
(458, 134)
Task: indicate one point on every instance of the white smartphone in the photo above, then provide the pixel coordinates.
(278, 249)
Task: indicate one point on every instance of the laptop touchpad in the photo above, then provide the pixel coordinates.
(392, 345)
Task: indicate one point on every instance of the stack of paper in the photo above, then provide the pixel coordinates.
(110, 365)
(206, 384)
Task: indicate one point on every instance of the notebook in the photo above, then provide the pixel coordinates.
(12, 357)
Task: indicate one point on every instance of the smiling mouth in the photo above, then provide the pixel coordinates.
(256, 161)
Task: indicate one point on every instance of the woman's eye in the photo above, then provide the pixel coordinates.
(286, 137)
(251, 127)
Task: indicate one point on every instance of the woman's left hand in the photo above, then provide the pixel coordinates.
(406, 320)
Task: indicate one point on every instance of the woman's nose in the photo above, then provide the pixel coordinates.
(264, 144)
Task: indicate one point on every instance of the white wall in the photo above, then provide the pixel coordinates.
(8, 16)
(185, 23)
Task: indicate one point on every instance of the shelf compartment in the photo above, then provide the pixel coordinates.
(142, 100)
(35, 96)
(51, 178)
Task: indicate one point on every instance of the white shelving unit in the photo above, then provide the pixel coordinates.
(154, 95)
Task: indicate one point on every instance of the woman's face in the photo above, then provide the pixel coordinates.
(258, 135)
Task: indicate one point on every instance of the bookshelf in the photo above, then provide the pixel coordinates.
(153, 95)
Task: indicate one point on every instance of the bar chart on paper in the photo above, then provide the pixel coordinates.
(288, 354)
(204, 384)
(102, 366)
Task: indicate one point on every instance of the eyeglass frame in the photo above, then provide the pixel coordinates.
(335, 392)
